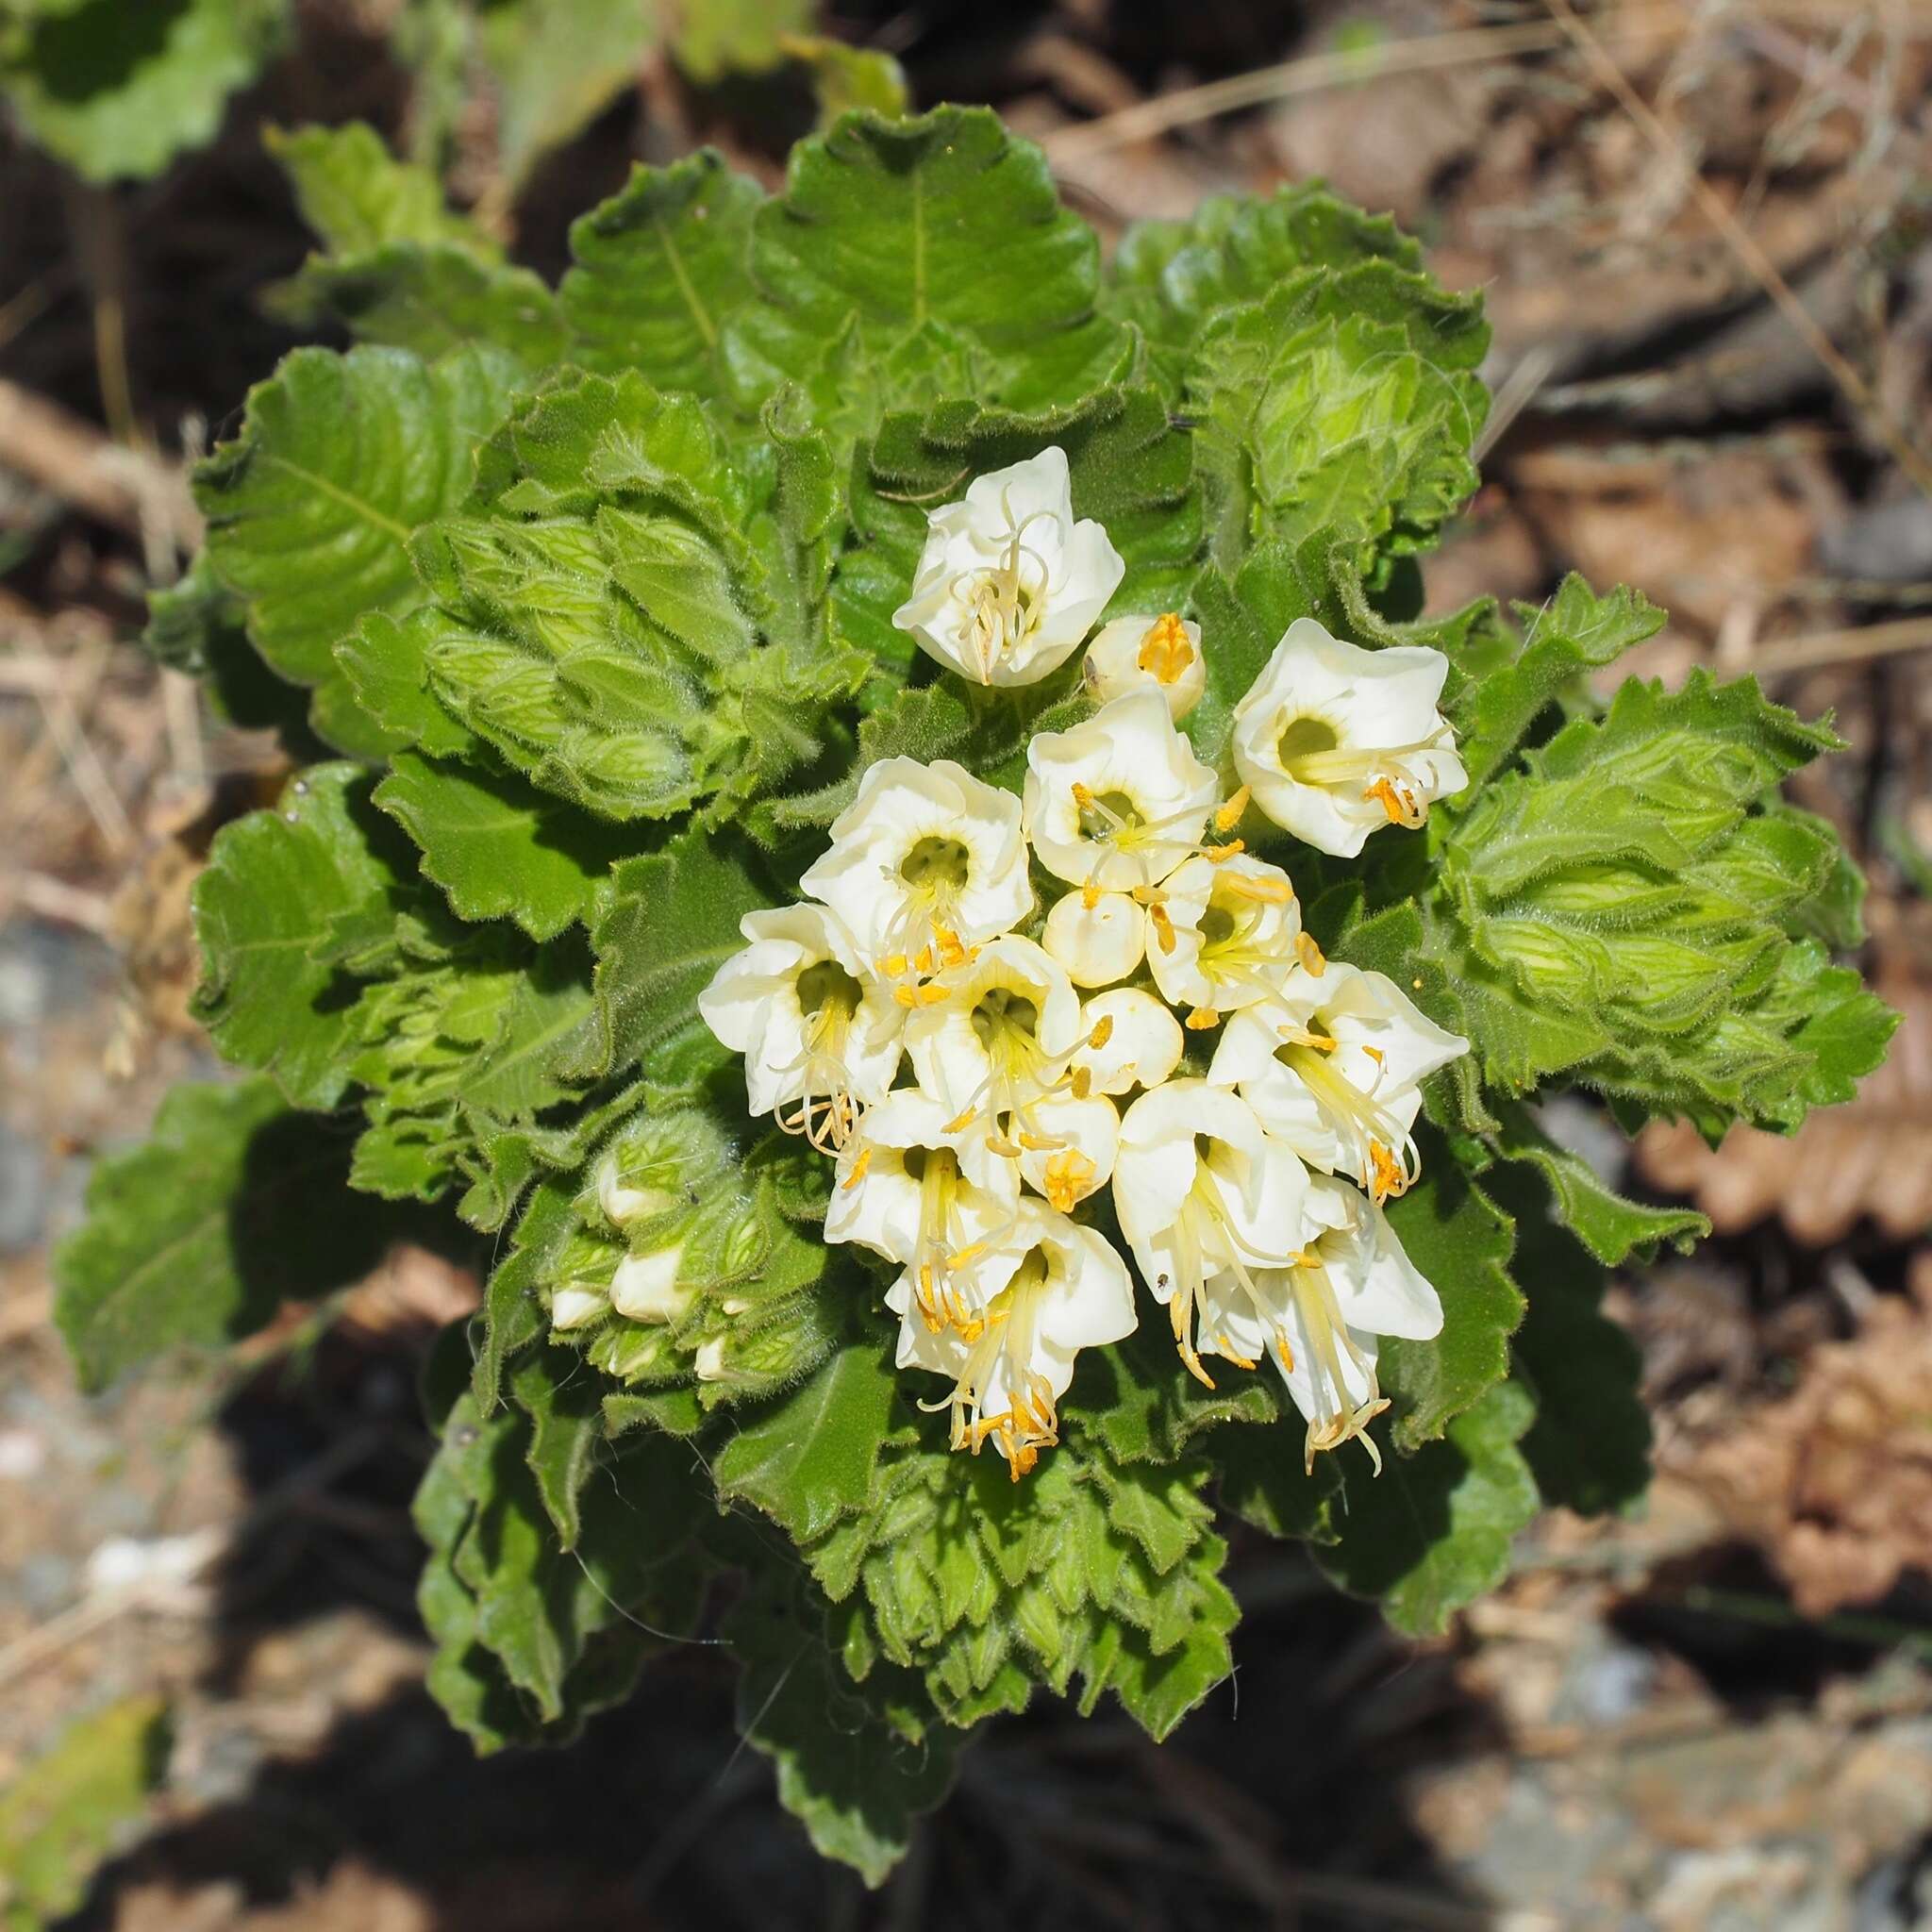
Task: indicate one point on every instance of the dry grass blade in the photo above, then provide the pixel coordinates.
(1855, 645)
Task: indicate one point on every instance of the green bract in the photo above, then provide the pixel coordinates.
(595, 591)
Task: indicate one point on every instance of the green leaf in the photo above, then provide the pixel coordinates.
(500, 848)
(1462, 1241)
(1589, 1444)
(310, 508)
(857, 1763)
(1433, 1532)
(63, 1814)
(905, 249)
(1621, 912)
(1575, 633)
(1344, 403)
(660, 267)
(267, 906)
(808, 1458)
(555, 65)
(1611, 1227)
(117, 89)
(1170, 278)
(737, 37)
(845, 77)
(357, 196)
(197, 1236)
(671, 922)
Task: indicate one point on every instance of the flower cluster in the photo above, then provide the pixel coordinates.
(1161, 1037)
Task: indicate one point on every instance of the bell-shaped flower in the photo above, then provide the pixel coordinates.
(1064, 1290)
(995, 1038)
(926, 861)
(1334, 1067)
(1224, 935)
(819, 1034)
(1010, 584)
(1118, 801)
(1098, 937)
(1201, 1191)
(938, 1202)
(1335, 741)
(1138, 1043)
(1138, 653)
(1321, 1316)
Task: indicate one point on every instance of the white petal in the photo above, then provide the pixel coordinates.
(1100, 944)
(645, 1286)
(571, 1307)
(1090, 1130)
(1143, 1042)
(1134, 653)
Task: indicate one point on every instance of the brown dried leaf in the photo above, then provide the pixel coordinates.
(1835, 1482)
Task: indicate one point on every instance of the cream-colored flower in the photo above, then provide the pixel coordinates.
(819, 1034)
(1128, 1038)
(1098, 937)
(1323, 1315)
(1134, 653)
(1201, 1191)
(1068, 1146)
(923, 864)
(1010, 584)
(1118, 801)
(1224, 934)
(995, 1038)
(1335, 741)
(1065, 1289)
(646, 1288)
(577, 1305)
(1334, 1067)
(936, 1201)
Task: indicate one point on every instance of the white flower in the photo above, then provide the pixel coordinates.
(1225, 934)
(925, 863)
(1322, 1315)
(1335, 741)
(994, 1039)
(819, 1036)
(1066, 1289)
(646, 1289)
(939, 1203)
(1008, 584)
(1098, 937)
(1133, 653)
(1068, 1144)
(1118, 801)
(1127, 1039)
(578, 1304)
(1203, 1190)
(1334, 1066)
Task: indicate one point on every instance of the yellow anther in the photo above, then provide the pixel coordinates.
(1066, 1179)
(906, 996)
(1403, 807)
(1090, 897)
(933, 996)
(1202, 1018)
(1228, 1349)
(1039, 1143)
(1165, 650)
(892, 965)
(1081, 1082)
(1220, 855)
(1102, 1032)
(922, 960)
(1265, 891)
(959, 1124)
(1376, 1054)
(1389, 1177)
(1163, 927)
(1230, 816)
(1286, 1353)
(859, 1170)
(952, 952)
(972, 1252)
(1083, 795)
(1314, 959)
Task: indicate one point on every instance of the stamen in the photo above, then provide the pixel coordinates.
(1065, 1178)
(1102, 1033)
(1230, 814)
(1314, 962)
(1090, 897)
(1202, 1018)
(859, 1170)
